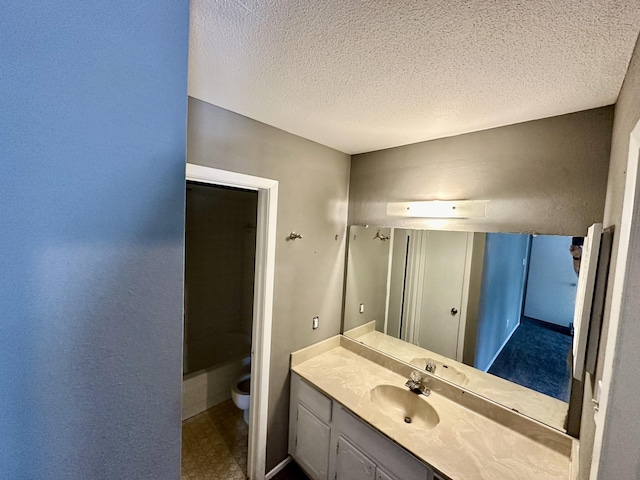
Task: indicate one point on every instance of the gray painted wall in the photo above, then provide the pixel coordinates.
(620, 457)
(366, 282)
(545, 176)
(501, 294)
(313, 188)
(92, 149)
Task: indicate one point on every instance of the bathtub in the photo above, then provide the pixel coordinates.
(214, 365)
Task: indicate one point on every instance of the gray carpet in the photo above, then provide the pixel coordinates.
(537, 357)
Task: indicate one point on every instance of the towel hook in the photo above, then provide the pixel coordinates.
(381, 236)
(293, 236)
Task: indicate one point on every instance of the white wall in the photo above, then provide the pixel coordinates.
(550, 295)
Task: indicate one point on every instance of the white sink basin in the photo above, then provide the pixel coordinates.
(444, 371)
(404, 406)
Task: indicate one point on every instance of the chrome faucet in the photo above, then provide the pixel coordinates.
(416, 386)
(431, 365)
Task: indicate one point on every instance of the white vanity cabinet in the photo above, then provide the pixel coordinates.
(312, 443)
(330, 443)
(309, 428)
(352, 463)
(382, 475)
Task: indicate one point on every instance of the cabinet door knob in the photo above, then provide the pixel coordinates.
(454, 311)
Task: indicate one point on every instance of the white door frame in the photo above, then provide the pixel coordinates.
(619, 302)
(262, 302)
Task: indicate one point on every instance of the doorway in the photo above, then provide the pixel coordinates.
(220, 231)
(428, 290)
(530, 281)
(265, 229)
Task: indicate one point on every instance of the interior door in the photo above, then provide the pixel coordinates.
(445, 256)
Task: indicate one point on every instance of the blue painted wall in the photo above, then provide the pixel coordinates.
(501, 295)
(92, 154)
(552, 282)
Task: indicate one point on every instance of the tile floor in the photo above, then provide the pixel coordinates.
(214, 444)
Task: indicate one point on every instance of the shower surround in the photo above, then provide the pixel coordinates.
(219, 276)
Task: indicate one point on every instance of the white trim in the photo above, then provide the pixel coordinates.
(413, 287)
(504, 344)
(584, 297)
(278, 468)
(464, 300)
(198, 173)
(388, 290)
(262, 304)
(617, 300)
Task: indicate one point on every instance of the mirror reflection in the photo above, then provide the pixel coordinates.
(490, 312)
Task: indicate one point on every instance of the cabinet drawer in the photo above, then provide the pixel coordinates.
(314, 400)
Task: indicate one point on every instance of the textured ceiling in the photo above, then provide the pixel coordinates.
(364, 75)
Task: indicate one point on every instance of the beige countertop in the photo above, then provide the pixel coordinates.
(495, 444)
(544, 408)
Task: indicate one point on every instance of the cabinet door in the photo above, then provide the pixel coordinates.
(382, 475)
(312, 444)
(352, 464)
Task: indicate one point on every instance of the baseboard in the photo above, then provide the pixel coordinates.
(501, 348)
(565, 330)
(278, 468)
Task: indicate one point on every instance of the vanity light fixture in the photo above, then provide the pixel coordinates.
(439, 209)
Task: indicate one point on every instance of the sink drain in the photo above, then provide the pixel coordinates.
(407, 419)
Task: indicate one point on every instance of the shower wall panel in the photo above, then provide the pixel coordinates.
(219, 274)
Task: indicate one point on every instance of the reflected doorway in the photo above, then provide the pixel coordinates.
(537, 354)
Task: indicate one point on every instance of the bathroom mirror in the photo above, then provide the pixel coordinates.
(490, 312)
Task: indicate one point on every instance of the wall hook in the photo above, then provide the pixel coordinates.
(293, 236)
(381, 236)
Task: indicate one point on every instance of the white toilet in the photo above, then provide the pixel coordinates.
(240, 394)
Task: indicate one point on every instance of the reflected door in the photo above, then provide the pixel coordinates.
(440, 308)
